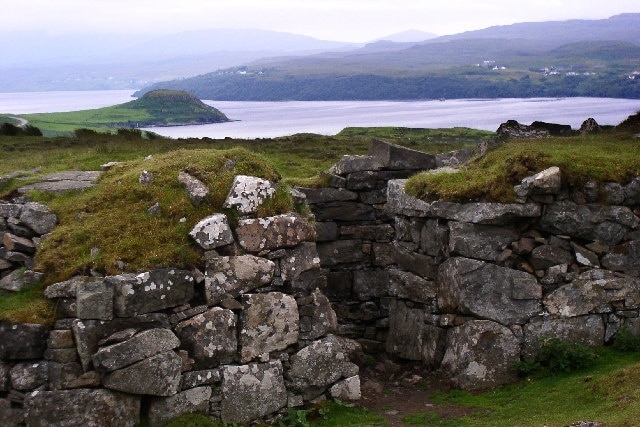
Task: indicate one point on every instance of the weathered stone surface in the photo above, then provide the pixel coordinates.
(158, 375)
(422, 265)
(547, 181)
(193, 379)
(344, 211)
(411, 338)
(66, 289)
(27, 376)
(280, 231)
(20, 279)
(235, 275)
(63, 375)
(455, 157)
(4, 376)
(632, 192)
(22, 341)
(321, 364)
(362, 180)
(210, 337)
(607, 224)
(253, 391)
(339, 284)
(194, 401)
(624, 257)
(400, 203)
(212, 232)
(370, 284)
(593, 289)
(328, 194)
(481, 354)
(195, 188)
(488, 291)
(150, 291)
(142, 345)
(513, 129)
(317, 317)
(484, 242)
(19, 244)
(589, 126)
(347, 389)
(434, 238)
(10, 210)
(587, 330)
(348, 164)
(545, 256)
(248, 192)
(298, 260)
(408, 286)
(393, 156)
(94, 300)
(83, 407)
(585, 257)
(61, 355)
(269, 322)
(326, 231)
(378, 232)
(38, 217)
(341, 252)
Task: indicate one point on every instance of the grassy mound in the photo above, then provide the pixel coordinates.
(603, 157)
(110, 225)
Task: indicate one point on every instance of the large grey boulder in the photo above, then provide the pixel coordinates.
(593, 290)
(158, 375)
(275, 232)
(487, 291)
(20, 279)
(484, 242)
(94, 300)
(268, 322)
(142, 345)
(150, 291)
(606, 224)
(193, 401)
(248, 192)
(349, 164)
(22, 341)
(480, 355)
(253, 391)
(26, 376)
(235, 275)
(408, 286)
(396, 157)
(588, 330)
(411, 338)
(210, 337)
(347, 389)
(212, 232)
(38, 217)
(82, 407)
(298, 260)
(321, 364)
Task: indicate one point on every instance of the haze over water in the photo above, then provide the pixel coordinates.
(272, 119)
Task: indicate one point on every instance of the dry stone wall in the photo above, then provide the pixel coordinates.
(244, 338)
(472, 288)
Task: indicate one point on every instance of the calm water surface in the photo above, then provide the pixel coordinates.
(271, 119)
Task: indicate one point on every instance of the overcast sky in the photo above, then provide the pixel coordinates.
(343, 20)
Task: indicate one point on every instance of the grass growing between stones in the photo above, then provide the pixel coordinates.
(607, 393)
(26, 306)
(605, 157)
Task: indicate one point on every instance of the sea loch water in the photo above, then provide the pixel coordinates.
(272, 119)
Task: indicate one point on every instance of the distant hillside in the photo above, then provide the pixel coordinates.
(598, 58)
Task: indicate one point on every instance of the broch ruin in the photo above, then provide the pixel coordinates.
(284, 308)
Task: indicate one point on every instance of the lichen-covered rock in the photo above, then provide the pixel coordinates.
(484, 242)
(487, 291)
(20, 279)
(94, 300)
(195, 188)
(235, 275)
(82, 407)
(408, 286)
(142, 345)
(150, 291)
(193, 401)
(248, 192)
(250, 392)
(348, 164)
(158, 375)
(347, 389)
(411, 338)
(10, 210)
(624, 258)
(212, 232)
(481, 354)
(268, 322)
(593, 290)
(210, 337)
(193, 379)
(275, 232)
(319, 365)
(588, 330)
(317, 317)
(547, 181)
(296, 261)
(38, 217)
(22, 341)
(28, 375)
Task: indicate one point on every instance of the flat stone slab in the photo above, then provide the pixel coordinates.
(64, 181)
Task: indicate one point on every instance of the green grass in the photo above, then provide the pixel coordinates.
(26, 306)
(605, 157)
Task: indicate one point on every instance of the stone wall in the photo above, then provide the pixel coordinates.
(473, 288)
(243, 338)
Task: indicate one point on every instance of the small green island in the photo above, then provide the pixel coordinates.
(156, 108)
